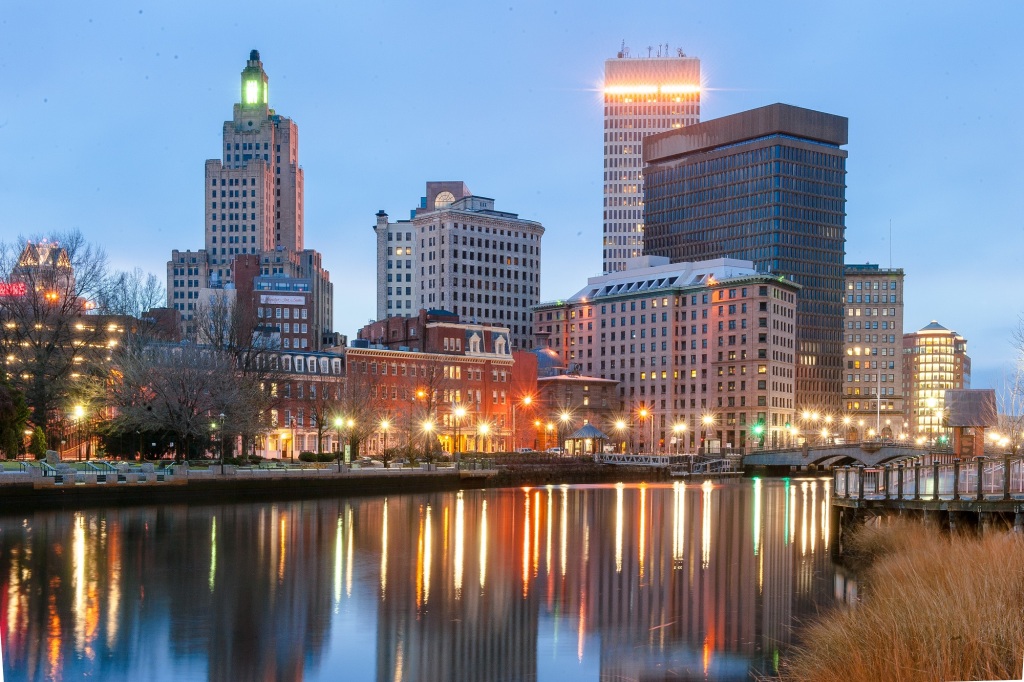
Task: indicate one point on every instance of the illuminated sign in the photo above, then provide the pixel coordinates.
(12, 289)
(283, 300)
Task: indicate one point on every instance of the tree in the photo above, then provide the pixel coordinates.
(359, 406)
(48, 327)
(177, 388)
(320, 399)
(13, 418)
(37, 446)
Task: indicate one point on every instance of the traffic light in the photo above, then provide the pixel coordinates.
(758, 429)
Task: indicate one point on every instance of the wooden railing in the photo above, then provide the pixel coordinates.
(933, 478)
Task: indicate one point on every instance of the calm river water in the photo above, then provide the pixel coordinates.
(629, 582)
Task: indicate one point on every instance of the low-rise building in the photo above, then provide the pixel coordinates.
(935, 360)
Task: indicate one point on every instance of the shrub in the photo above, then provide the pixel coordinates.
(935, 608)
(307, 456)
(325, 457)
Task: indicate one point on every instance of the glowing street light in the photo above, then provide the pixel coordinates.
(459, 413)
(679, 429)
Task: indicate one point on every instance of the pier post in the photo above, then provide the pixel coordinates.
(1006, 478)
(956, 478)
(899, 481)
(846, 481)
(860, 483)
(917, 480)
(935, 480)
(885, 475)
(981, 472)
(1018, 522)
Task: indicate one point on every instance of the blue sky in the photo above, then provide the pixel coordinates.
(108, 111)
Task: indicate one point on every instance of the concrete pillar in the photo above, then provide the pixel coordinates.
(1006, 478)
(980, 462)
(935, 480)
(899, 481)
(917, 480)
(956, 478)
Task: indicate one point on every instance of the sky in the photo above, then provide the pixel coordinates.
(108, 111)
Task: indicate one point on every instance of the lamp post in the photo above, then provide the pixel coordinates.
(563, 422)
(547, 433)
(620, 426)
(482, 430)
(643, 415)
(428, 428)
(707, 421)
(291, 445)
(459, 413)
(384, 426)
(679, 429)
(526, 401)
(222, 442)
(338, 423)
(79, 414)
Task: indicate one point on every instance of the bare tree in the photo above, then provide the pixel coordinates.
(321, 399)
(360, 406)
(178, 388)
(49, 329)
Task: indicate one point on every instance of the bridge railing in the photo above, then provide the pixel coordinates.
(932, 478)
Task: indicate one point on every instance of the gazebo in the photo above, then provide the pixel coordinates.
(587, 440)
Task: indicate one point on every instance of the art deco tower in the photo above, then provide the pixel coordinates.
(641, 96)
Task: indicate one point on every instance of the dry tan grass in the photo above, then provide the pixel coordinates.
(937, 608)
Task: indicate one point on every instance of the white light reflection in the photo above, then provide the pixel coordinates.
(757, 516)
(705, 543)
(618, 527)
(678, 520)
(78, 564)
(791, 510)
(814, 516)
(348, 556)
(459, 542)
(803, 519)
(526, 543)
(536, 532)
(384, 551)
(427, 547)
(826, 513)
(339, 545)
(547, 553)
(213, 551)
(483, 545)
(564, 528)
(643, 528)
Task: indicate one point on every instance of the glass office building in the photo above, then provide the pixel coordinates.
(766, 185)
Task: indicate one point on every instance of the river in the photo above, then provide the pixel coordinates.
(604, 582)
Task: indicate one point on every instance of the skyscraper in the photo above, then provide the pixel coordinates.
(642, 95)
(458, 253)
(254, 206)
(935, 361)
(766, 185)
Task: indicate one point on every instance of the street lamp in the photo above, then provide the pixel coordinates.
(460, 412)
(338, 423)
(526, 401)
(482, 430)
(679, 429)
(222, 442)
(620, 426)
(643, 415)
(428, 428)
(384, 426)
(291, 449)
(708, 422)
(563, 423)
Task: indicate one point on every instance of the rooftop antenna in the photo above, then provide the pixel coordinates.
(649, 48)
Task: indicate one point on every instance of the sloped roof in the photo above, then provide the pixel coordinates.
(589, 431)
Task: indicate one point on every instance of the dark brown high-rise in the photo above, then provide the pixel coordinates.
(766, 185)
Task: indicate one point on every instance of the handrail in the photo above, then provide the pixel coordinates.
(920, 478)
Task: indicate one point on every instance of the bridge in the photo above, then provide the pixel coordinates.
(867, 453)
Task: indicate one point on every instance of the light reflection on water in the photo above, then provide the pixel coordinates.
(567, 583)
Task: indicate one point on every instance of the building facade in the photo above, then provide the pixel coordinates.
(769, 186)
(934, 360)
(642, 96)
(873, 349)
(702, 351)
(253, 206)
(458, 253)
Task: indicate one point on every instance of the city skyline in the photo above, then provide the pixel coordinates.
(527, 128)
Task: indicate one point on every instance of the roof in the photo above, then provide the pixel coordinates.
(589, 431)
(934, 326)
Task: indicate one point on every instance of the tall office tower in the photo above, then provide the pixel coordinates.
(873, 373)
(457, 253)
(253, 206)
(769, 186)
(642, 95)
(934, 360)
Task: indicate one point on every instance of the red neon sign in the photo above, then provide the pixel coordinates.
(12, 289)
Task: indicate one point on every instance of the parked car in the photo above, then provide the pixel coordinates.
(525, 450)
(556, 451)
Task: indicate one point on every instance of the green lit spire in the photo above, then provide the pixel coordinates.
(254, 82)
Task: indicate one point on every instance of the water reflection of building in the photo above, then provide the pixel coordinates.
(703, 580)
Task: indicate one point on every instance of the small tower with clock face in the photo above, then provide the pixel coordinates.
(254, 83)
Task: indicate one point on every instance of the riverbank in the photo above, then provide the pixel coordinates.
(936, 607)
(257, 485)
